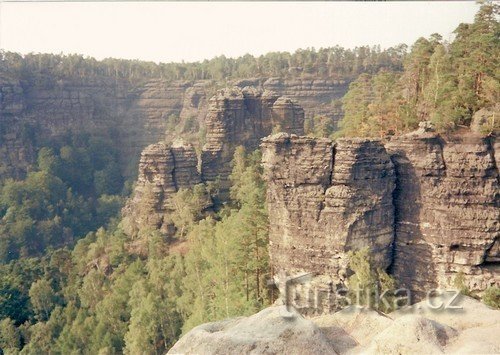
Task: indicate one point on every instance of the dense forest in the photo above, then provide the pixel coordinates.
(335, 62)
(106, 295)
(445, 83)
(71, 281)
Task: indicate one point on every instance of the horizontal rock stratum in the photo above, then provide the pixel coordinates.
(130, 114)
(427, 207)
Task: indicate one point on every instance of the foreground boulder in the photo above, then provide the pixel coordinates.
(471, 328)
(273, 330)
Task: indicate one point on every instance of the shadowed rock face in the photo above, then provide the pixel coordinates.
(242, 117)
(448, 211)
(131, 115)
(425, 206)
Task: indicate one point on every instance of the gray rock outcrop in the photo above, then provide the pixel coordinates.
(447, 202)
(326, 199)
(418, 330)
(235, 117)
(242, 117)
(130, 114)
(163, 170)
(427, 207)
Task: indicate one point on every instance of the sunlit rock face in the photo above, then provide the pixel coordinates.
(325, 199)
(130, 113)
(427, 207)
(235, 117)
(242, 117)
(163, 170)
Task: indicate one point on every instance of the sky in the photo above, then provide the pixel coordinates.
(193, 31)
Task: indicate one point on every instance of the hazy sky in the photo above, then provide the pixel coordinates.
(191, 31)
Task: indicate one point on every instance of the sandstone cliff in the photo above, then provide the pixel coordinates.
(235, 117)
(419, 330)
(436, 200)
(242, 117)
(448, 211)
(163, 170)
(326, 199)
(132, 115)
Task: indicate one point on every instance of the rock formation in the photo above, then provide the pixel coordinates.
(316, 96)
(163, 170)
(266, 332)
(235, 117)
(131, 115)
(16, 148)
(435, 200)
(325, 200)
(242, 117)
(473, 328)
(447, 203)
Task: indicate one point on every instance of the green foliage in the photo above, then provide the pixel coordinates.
(491, 297)
(15, 282)
(460, 285)
(70, 195)
(43, 298)
(319, 126)
(441, 82)
(334, 62)
(106, 296)
(10, 337)
(188, 206)
(227, 262)
(368, 282)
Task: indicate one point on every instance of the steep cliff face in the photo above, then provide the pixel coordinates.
(235, 117)
(242, 117)
(163, 170)
(131, 115)
(448, 211)
(316, 96)
(16, 147)
(324, 200)
(435, 201)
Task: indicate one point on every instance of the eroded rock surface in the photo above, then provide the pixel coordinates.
(326, 199)
(447, 203)
(163, 170)
(235, 117)
(242, 117)
(426, 206)
(416, 330)
(130, 114)
(272, 331)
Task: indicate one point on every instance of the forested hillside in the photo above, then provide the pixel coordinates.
(112, 294)
(333, 62)
(71, 281)
(445, 83)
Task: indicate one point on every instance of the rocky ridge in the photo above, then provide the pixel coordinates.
(327, 199)
(242, 117)
(163, 170)
(235, 117)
